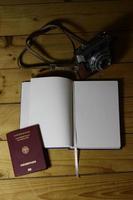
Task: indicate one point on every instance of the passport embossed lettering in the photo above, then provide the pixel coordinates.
(26, 150)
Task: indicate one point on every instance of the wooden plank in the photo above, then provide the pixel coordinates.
(107, 186)
(58, 46)
(24, 2)
(91, 16)
(10, 84)
(92, 4)
(127, 116)
(9, 57)
(101, 159)
(62, 161)
(9, 118)
(10, 81)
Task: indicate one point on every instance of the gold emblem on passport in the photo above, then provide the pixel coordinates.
(25, 149)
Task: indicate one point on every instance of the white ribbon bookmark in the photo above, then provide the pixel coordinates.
(76, 154)
(76, 161)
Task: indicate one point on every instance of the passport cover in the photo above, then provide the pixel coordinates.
(26, 150)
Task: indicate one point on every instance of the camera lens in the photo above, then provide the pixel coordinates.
(99, 61)
(104, 62)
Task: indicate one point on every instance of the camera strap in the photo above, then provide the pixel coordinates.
(88, 57)
(44, 59)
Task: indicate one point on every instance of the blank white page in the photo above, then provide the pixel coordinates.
(97, 114)
(51, 107)
(25, 102)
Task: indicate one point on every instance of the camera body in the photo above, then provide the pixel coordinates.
(95, 55)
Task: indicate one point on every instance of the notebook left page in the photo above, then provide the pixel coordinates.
(25, 101)
(51, 107)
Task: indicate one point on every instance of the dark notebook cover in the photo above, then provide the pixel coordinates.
(26, 150)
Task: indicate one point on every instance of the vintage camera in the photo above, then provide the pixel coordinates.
(96, 54)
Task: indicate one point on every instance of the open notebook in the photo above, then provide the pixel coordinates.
(70, 113)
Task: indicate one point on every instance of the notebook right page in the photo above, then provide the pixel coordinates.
(96, 113)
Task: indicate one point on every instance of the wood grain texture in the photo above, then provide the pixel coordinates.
(9, 57)
(9, 118)
(106, 186)
(91, 16)
(105, 174)
(10, 84)
(24, 2)
(62, 161)
(127, 115)
(58, 46)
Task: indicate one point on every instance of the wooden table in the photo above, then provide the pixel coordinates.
(104, 174)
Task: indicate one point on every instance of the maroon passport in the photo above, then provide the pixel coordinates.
(26, 150)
